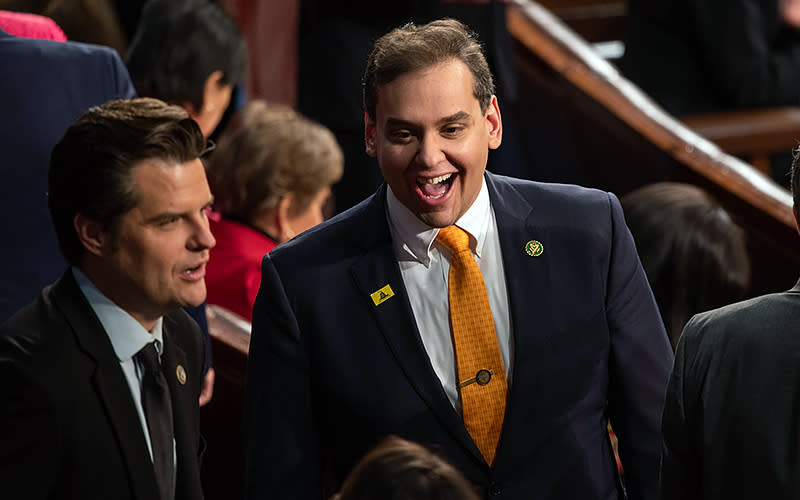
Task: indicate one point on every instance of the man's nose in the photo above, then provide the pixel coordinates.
(430, 151)
(202, 238)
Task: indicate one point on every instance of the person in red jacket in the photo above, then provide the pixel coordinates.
(271, 177)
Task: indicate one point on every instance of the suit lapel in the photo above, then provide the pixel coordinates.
(177, 369)
(395, 318)
(527, 280)
(110, 383)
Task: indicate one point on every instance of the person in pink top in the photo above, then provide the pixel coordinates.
(271, 176)
(27, 25)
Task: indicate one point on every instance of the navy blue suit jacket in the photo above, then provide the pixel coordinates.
(330, 373)
(44, 87)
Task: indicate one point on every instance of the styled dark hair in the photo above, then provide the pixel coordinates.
(411, 48)
(694, 255)
(178, 44)
(401, 470)
(91, 167)
(268, 152)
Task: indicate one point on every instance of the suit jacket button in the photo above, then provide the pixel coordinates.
(494, 489)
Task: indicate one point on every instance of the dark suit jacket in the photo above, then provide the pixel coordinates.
(696, 56)
(68, 424)
(731, 422)
(330, 374)
(44, 87)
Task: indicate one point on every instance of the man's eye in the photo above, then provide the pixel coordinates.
(400, 135)
(452, 130)
(168, 221)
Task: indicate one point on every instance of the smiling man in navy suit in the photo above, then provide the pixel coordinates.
(352, 331)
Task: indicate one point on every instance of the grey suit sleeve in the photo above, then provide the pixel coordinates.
(679, 465)
(641, 357)
(28, 437)
(281, 452)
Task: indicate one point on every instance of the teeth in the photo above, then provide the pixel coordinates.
(437, 180)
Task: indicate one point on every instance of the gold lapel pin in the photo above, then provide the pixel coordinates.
(180, 372)
(534, 248)
(382, 295)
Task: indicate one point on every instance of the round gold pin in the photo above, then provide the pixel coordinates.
(483, 377)
(180, 372)
(534, 248)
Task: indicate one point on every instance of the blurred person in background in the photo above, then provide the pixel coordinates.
(694, 255)
(398, 469)
(45, 86)
(188, 53)
(271, 177)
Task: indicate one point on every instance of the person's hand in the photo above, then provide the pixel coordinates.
(208, 387)
(790, 12)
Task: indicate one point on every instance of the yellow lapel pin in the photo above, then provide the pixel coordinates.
(382, 295)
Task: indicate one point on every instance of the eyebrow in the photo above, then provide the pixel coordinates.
(166, 215)
(455, 117)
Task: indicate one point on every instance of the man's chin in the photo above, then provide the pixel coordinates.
(438, 218)
(194, 298)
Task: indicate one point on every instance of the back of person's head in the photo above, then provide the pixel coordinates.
(178, 45)
(412, 47)
(91, 167)
(694, 255)
(398, 469)
(267, 153)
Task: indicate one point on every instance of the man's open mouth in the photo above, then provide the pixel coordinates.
(434, 188)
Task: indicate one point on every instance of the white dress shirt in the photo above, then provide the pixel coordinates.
(425, 267)
(127, 337)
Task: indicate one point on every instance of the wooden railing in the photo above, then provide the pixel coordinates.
(753, 135)
(585, 123)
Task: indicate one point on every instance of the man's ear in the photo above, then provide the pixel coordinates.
(369, 135)
(494, 123)
(91, 234)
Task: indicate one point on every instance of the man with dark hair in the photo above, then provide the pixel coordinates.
(730, 421)
(501, 321)
(100, 377)
(188, 53)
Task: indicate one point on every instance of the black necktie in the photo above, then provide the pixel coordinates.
(158, 412)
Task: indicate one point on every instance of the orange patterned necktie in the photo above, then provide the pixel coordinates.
(481, 375)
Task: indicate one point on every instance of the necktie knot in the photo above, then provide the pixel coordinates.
(454, 239)
(148, 358)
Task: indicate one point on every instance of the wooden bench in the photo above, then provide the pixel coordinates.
(221, 419)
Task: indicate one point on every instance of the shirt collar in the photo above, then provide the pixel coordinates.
(413, 238)
(127, 335)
